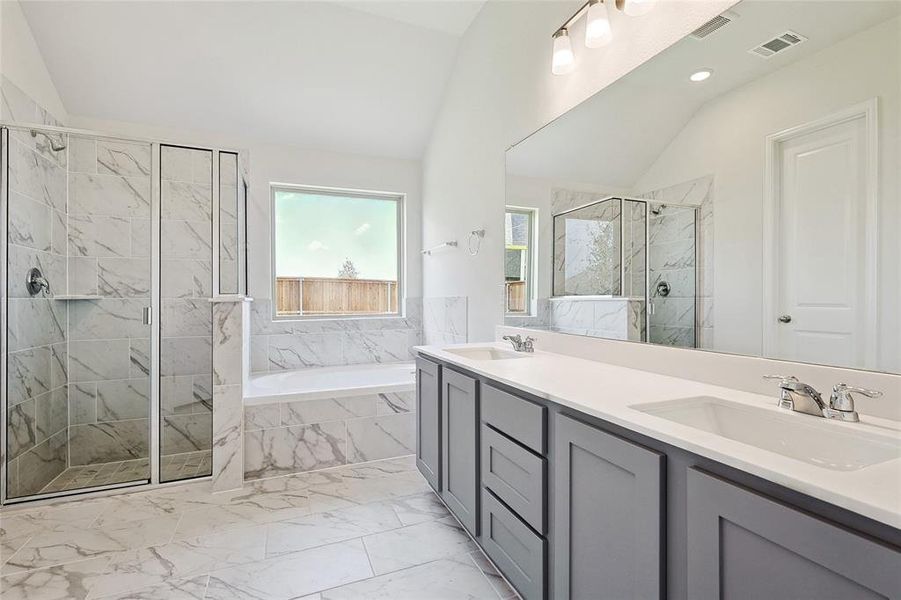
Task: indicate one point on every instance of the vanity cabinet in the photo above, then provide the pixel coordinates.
(743, 545)
(609, 515)
(459, 453)
(428, 421)
(569, 506)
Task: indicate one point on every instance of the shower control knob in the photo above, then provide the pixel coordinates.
(785, 319)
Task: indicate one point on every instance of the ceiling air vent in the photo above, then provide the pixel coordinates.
(779, 43)
(714, 24)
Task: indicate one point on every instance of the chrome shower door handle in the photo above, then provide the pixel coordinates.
(785, 319)
(147, 315)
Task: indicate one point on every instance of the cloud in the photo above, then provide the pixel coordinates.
(316, 245)
(362, 229)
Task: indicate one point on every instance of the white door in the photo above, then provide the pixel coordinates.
(821, 245)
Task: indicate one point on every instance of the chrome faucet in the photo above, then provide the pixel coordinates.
(521, 345)
(801, 397)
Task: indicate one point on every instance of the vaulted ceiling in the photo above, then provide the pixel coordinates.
(345, 75)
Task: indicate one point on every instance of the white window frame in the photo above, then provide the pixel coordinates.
(532, 257)
(398, 197)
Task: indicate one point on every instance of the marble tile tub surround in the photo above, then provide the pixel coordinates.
(362, 531)
(229, 319)
(444, 320)
(310, 434)
(37, 330)
(279, 345)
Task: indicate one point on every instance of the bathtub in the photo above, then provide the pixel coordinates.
(318, 418)
(329, 382)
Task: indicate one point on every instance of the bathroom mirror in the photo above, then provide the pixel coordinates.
(737, 193)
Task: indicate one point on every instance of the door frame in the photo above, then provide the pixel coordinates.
(868, 110)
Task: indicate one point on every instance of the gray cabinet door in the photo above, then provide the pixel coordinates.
(742, 545)
(608, 515)
(428, 421)
(460, 457)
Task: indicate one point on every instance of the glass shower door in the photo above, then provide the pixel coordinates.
(186, 284)
(672, 275)
(77, 410)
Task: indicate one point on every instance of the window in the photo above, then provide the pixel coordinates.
(518, 248)
(336, 252)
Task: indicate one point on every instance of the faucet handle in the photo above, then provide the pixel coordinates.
(844, 388)
(842, 400)
(783, 379)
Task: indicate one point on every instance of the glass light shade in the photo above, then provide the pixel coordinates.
(597, 29)
(564, 60)
(636, 8)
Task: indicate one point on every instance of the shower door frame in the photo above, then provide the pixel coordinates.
(155, 429)
(647, 262)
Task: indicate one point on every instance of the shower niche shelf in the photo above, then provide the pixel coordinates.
(77, 297)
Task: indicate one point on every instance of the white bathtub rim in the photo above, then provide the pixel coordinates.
(345, 391)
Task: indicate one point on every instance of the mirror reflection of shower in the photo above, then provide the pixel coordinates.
(626, 268)
(57, 145)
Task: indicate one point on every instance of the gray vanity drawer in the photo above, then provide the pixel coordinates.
(521, 419)
(516, 550)
(515, 475)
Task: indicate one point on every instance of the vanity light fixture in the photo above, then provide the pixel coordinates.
(597, 29)
(564, 60)
(701, 75)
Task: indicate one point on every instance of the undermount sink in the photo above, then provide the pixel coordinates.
(485, 353)
(810, 439)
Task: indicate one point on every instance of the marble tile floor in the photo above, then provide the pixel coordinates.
(174, 467)
(373, 530)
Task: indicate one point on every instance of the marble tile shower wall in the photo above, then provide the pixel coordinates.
(108, 260)
(684, 262)
(37, 414)
(277, 345)
(186, 280)
(610, 318)
(37, 408)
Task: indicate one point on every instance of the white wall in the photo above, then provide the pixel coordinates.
(501, 90)
(856, 69)
(21, 61)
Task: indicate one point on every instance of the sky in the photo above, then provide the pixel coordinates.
(314, 234)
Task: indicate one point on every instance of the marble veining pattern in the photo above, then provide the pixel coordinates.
(310, 434)
(36, 333)
(366, 531)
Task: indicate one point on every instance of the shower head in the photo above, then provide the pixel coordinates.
(55, 145)
(656, 209)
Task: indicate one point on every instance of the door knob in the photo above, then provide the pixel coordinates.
(785, 319)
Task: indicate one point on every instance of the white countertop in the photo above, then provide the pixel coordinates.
(607, 392)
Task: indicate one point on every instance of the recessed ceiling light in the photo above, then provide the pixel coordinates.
(701, 75)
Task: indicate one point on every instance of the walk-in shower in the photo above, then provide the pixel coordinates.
(627, 268)
(113, 248)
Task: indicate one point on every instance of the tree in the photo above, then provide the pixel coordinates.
(348, 270)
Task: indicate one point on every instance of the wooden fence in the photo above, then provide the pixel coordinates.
(333, 296)
(516, 296)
